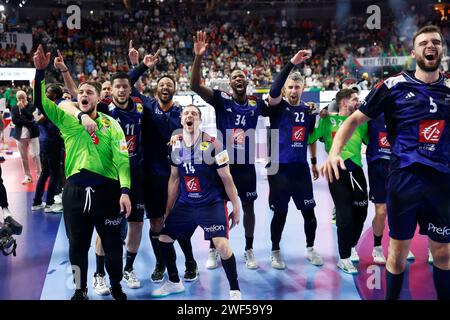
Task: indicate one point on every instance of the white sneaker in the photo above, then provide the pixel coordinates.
(38, 207)
(55, 208)
(347, 266)
(26, 180)
(410, 256)
(131, 279)
(235, 295)
(378, 255)
(430, 257)
(99, 285)
(168, 288)
(354, 257)
(58, 198)
(211, 263)
(313, 256)
(250, 261)
(277, 260)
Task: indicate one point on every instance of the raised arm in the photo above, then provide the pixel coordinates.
(148, 62)
(276, 87)
(200, 46)
(68, 80)
(330, 168)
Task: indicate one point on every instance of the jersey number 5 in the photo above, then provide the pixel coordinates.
(433, 106)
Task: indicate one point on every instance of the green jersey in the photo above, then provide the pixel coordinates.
(327, 129)
(104, 153)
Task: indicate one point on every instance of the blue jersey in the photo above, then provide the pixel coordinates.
(157, 129)
(417, 118)
(197, 167)
(237, 123)
(294, 124)
(130, 119)
(378, 147)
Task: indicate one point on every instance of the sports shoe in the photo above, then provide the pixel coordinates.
(430, 257)
(158, 274)
(58, 198)
(235, 295)
(80, 295)
(168, 288)
(99, 284)
(26, 179)
(333, 216)
(378, 255)
(213, 255)
(354, 255)
(191, 272)
(38, 206)
(117, 293)
(347, 266)
(313, 256)
(131, 279)
(410, 256)
(54, 208)
(250, 261)
(277, 260)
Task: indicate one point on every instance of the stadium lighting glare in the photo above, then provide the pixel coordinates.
(91, 12)
(20, 5)
(2, 8)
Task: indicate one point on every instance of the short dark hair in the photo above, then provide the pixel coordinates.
(428, 29)
(166, 76)
(97, 86)
(196, 107)
(344, 94)
(120, 75)
(56, 89)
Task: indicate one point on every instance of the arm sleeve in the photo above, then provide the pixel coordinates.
(135, 73)
(120, 158)
(365, 133)
(316, 133)
(376, 101)
(278, 83)
(48, 108)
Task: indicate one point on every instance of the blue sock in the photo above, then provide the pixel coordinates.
(442, 283)
(394, 283)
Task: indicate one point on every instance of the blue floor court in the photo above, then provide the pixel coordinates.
(41, 268)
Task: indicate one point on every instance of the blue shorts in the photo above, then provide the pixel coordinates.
(291, 181)
(136, 196)
(184, 219)
(244, 177)
(378, 172)
(419, 194)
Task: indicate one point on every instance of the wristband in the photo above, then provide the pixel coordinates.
(314, 160)
(80, 116)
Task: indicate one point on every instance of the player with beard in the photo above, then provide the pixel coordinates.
(236, 120)
(415, 106)
(291, 117)
(199, 184)
(106, 90)
(161, 118)
(349, 193)
(98, 172)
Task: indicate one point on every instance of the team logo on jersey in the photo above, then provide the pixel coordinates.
(131, 144)
(123, 146)
(298, 133)
(204, 145)
(94, 137)
(192, 184)
(139, 108)
(238, 136)
(430, 131)
(382, 140)
(252, 103)
(106, 122)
